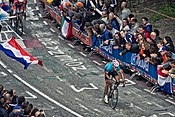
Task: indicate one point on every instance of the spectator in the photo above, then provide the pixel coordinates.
(144, 50)
(162, 50)
(129, 18)
(155, 38)
(129, 47)
(107, 35)
(127, 37)
(14, 96)
(168, 44)
(171, 71)
(134, 26)
(125, 10)
(125, 25)
(21, 99)
(104, 17)
(118, 41)
(147, 25)
(3, 112)
(153, 59)
(1, 90)
(142, 31)
(113, 21)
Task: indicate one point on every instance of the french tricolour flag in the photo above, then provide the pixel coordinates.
(12, 49)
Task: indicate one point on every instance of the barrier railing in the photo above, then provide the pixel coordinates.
(142, 67)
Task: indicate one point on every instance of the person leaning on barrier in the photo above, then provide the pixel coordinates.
(168, 43)
(129, 47)
(3, 112)
(170, 72)
(107, 35)
(118, 41)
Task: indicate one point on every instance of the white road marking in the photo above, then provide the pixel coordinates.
(149, 91)
(61, 37)
(32, 96)
(2, 74)
(52, 30)
(44, 43)
(170, 101)
(88, 88)
(46, 97)
(3, 65)
(97, 110)
(83, 54)
(37, 35)
(58, 91)
(159, 105)
(139, 108)
(9, 70)
(45, 22)
(96, 62)
(167, 113)
(59, 78)
(50, 53)
(48, 70)
(6, 31)
(71, 45)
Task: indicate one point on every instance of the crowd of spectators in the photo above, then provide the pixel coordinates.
(99, 18)
(125, 32)
(12, 105)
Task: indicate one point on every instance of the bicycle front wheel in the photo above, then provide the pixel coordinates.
(114, 98)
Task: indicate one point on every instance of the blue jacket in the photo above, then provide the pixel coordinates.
(106, 35)
(148, 28)
(115, 24)
(129, 38)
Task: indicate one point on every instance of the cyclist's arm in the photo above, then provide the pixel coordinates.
(122, 74)
(107, 76)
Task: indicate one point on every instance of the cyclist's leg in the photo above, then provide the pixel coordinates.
(107, 85)
(116, 76)
(106, 89)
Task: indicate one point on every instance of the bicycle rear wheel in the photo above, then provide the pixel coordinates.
(20, 27)
(114, 98)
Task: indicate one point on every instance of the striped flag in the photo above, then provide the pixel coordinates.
(3, 15)
(12, 49)
(66, 27)
(165, 82)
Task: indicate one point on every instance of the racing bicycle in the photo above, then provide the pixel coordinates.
(113, 93)
(17, 22)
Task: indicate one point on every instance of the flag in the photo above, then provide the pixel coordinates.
(165, 82)
(3, 15)
(66, 27)
(12, 49)
(5, 6)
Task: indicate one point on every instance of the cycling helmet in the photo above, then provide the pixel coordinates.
(21, 0)
(115, 63)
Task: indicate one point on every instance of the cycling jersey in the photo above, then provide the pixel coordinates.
(109, 67)
(20, 5)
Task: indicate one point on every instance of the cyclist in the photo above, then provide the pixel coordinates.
(19, 4)
(113, 69)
